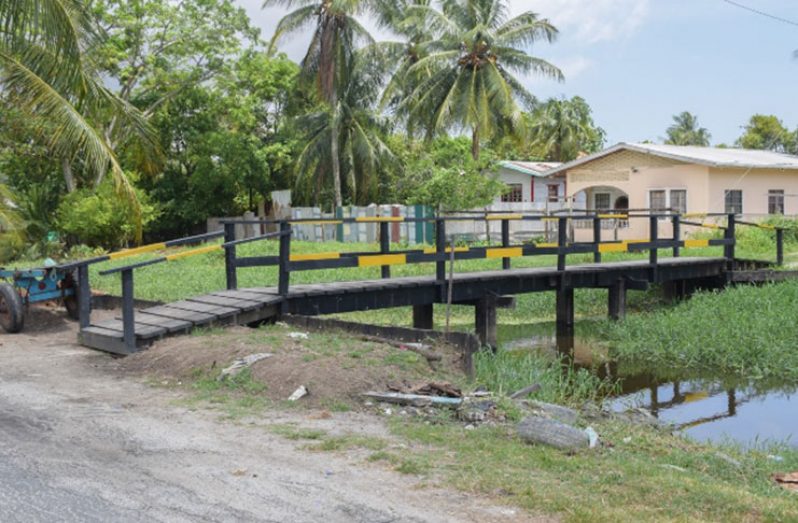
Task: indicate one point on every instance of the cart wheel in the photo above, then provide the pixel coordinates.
(12, 310)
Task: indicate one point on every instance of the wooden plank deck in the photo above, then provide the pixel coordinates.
(252, 305)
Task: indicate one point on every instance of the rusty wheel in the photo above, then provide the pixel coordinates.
(12, 310)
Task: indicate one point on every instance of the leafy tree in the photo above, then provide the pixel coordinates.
(561, 129)
(463, 79)
(767, 132)
(685, 131)
(359, 131)
(45, 71)
(330, 56)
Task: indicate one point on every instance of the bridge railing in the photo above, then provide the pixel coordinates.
(443, 251)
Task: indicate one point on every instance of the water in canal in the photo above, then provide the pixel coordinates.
(705, 408)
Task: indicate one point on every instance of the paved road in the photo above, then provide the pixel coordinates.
(80, 442)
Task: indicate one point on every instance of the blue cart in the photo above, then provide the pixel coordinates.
(21, 287)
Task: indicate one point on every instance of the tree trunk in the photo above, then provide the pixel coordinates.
(475, 144)
(334, 155)
(69, 177)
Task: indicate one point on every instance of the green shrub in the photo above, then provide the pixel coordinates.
(101, 218)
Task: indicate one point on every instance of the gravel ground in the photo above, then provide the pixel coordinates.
(81, 442)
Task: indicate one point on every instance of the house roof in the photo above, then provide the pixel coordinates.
(536, 169)
(710, 156)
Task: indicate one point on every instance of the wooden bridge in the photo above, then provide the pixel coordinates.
(485, 290)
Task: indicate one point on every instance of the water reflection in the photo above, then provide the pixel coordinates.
(707, 408)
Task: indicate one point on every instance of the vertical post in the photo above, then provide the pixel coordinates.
(128, 314)
(617, 300)
(562, 241)
(728, 250)
(423, 316)
(285, 258)
(677, 234)
(385, 247)
(505, 242)
(653, 235)
(84, 296)
(597, 239)
(230, 256)
(440, 249)
(565, 312)
(485, 321)
(779, 246)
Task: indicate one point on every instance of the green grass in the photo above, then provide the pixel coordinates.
(649, 477)
(745, 332)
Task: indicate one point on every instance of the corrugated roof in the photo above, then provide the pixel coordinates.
(530, 168)
(711, 156)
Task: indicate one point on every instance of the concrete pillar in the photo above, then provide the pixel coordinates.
(617, 300)
(485, 320)
(565, 312)
(423, 316)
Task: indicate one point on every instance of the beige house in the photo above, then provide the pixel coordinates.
(752, 184)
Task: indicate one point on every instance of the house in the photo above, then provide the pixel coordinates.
(527, 183)
(687, 179)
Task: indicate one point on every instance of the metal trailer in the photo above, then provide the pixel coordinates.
(21, 287)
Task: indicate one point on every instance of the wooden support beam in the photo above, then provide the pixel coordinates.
(617, 300)
(565, 311)
(423, 317)
(485, 321)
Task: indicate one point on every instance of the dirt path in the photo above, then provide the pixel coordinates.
(80, 442)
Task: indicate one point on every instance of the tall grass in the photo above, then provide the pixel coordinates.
(560, 382)
(745, 332)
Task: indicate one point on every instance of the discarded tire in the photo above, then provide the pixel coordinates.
(543, 431)
(12, 310)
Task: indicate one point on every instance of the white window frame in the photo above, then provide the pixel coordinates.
(668, 191)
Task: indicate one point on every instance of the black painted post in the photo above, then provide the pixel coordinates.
(440, 249)
(597, 239)
(565, 312)
(653, 238)
(617, 300)
(505, 242)
(730, 235)
(84, 296)
(385, 247)
(677, 235)
(779, 246)
(423, 316)
(128, 313)
(285, 258)
(485, 321)
(230, 256)
(562, 241)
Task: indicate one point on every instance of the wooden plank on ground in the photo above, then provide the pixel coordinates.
(97, 330)
(144, 332)
(244, 295)
(207, 308)
(220, 301)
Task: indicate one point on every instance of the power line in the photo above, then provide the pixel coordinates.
(762, 13)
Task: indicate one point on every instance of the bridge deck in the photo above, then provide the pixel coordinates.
(256, 304)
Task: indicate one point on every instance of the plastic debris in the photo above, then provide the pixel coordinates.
(298, 335)
(299, 393)
(416, 400)
(593, 437)
(240, 364)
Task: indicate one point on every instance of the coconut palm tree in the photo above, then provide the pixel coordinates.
(464, 78)
(45, 71)
(563, 128)
(685, 131)
(358, 130)
(336, 36)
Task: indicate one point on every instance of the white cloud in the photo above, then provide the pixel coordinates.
(590, 21)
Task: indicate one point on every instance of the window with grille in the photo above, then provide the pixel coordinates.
(734, 201)
(678, 200)
(776, 201)
(515, 193)
(601, 201)
(657, 200)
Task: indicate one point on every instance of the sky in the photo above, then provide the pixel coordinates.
(639, 62)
